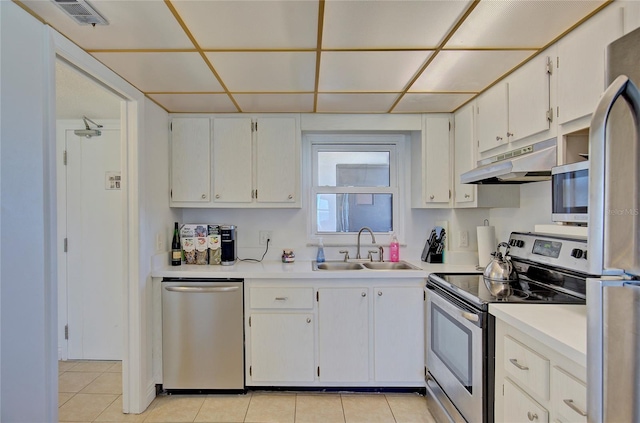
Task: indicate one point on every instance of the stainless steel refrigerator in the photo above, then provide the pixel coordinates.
(613, 300)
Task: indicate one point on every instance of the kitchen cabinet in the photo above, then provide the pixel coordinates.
(430, 160)
(256, 162)
(190, 160)
(492, 123)
(281, 330)
(581, 63)
(236, 162)
(343, 338)
(398, 334)
(471, 195)
(535, 382)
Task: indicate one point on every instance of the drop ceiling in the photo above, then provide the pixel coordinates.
(331, 56)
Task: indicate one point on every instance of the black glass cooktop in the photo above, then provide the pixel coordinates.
(471, 286)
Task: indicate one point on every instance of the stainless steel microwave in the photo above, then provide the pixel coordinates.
(570, 193)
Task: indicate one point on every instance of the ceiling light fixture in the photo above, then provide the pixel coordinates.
(81, 12)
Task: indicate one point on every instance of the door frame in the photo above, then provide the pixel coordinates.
(138, 389)
(62, 126)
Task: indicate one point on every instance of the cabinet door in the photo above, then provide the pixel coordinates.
(190, 159)
(399, 334)
(282, 347)
(492, 115)
(343, 338)
(437, 188)
(529, 95)
(581, 63)
(277, 160)
(463, 153)
(232, 160)
(521, 408)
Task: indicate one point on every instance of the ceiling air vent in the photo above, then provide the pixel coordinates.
(81, 12)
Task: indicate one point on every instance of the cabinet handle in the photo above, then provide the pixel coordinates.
(308, 319)
(290, 197)
(217, 195)
(281, 298)
(575, 408)
(467, 196)
(431, 197)
(364, 294)
(509, 134)
(204, 196)
(498, 138)
(532, 416)
(379, 293)
(518, 365)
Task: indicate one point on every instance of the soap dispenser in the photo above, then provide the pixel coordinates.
(320, 254)
(394, 249)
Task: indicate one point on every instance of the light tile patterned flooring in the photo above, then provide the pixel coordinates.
(91, 391)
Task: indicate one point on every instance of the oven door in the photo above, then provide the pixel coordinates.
(454, 351)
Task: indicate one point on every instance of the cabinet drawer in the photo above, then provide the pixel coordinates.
(527, 367)
(294, 298)
(569, 396)
(520, 407)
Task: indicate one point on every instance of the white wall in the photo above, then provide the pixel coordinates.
(28, 367)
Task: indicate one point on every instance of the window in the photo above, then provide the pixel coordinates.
(354, 184)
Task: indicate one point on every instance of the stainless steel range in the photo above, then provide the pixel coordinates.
(461, 333)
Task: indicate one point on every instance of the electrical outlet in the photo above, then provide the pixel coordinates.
(159, 242)
(463, 239)
(264, 236)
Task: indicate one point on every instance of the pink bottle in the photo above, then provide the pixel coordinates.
(394, 249)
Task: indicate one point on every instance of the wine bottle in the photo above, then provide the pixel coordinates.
(176, 251)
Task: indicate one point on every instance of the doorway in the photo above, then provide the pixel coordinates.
(90, 216)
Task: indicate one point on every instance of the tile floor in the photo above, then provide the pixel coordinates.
(91, 391)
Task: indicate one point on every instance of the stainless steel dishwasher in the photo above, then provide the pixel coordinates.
(202, 334)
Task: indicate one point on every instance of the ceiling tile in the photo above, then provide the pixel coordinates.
(266, 71)
(154, 72)
(388, 24)
(262, 103)
(465, 70)
(195, 103)
(517, 23)
(355, 103)
(430, 103)
(132, 25)
(251, 24)
(369, 70)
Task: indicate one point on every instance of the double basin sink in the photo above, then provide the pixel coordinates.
(371, 265)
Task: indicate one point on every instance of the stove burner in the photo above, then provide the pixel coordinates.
(515, 294)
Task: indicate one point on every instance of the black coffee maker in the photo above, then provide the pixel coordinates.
(228, 245)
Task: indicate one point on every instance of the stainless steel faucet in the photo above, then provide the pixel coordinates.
(373, 239)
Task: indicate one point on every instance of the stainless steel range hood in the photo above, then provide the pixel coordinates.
(527, 164)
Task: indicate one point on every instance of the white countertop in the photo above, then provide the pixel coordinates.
(300, 270)
(561, 327)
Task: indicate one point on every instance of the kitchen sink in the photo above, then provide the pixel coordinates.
(371, 265)
(336, 265)
(388, 265)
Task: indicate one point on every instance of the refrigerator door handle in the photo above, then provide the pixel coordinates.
(621, 86)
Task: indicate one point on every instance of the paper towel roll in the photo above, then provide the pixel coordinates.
(486, 244)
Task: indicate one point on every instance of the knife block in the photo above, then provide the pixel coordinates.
(434, 258)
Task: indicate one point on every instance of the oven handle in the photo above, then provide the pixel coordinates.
(474, 317)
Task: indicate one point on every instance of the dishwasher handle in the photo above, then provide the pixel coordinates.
(201, 289)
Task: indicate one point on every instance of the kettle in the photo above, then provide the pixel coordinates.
(500, 274)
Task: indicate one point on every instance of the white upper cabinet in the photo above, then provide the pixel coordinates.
(464, 153)
(232, 160)
(430, 156)
(492, 122)
(244, 162)
(581, 63)
(190, 160)
(530, 110)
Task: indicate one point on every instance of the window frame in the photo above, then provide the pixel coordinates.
(389, 142)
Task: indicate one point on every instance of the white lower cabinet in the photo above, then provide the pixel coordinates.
(534, 382)
(343, 334)
(347, 332)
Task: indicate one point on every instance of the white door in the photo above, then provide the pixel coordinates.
(94, 247)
